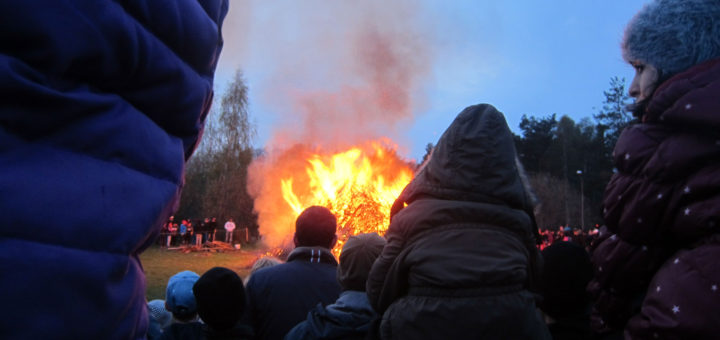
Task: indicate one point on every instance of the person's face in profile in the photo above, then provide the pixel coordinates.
(644, 82)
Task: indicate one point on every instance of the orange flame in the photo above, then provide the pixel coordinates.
(358, 185)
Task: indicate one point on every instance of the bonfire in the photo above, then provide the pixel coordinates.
(359, 185)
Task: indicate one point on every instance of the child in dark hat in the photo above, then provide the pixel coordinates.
(220, 297)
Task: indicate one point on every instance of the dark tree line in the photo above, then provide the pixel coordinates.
(569, 163)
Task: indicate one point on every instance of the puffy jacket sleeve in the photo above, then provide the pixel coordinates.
(622, 271)
(155, 57)
(682, 297)
(101, 103)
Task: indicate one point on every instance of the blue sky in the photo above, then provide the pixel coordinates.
(524, 57)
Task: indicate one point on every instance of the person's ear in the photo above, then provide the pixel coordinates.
(333, 242)
(295, 240)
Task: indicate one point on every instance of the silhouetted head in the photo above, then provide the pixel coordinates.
(220, 297)
(315, 227)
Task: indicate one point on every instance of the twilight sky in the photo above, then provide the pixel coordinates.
(337, 72)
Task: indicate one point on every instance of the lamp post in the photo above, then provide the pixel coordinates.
(582, 201)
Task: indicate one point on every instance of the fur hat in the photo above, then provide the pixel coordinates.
(179, 297)
(673, 35)
(357, 257)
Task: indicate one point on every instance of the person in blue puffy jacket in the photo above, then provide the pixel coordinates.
(101, 104)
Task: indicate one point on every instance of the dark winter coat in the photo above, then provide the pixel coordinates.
(199, 331)
(459, 256)
(183, 331)
(101, 104)
(656, 262)
(279, 297)
(348, 318)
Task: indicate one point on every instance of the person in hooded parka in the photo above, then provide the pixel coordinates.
(461, 260)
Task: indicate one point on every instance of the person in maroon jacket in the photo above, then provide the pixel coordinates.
(656, 269)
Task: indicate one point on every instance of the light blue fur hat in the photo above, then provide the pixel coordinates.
(673, 35)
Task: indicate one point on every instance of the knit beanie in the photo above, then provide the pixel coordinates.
(179, 296)
(357, 257)
(220, 296)
(673, 35)
(565, 275)
(158, 312)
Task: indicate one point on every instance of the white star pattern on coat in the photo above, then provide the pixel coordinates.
(659, 196)
(627, 156)
(686, 190)
(600, 268)
(639, 220)
(714, 288)
(676, 261)
(613, 237)
(676, 309)
(687, 211)
(657, 289)
(688, 106)
(644, 248)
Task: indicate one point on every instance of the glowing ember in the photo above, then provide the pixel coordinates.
(358, 185)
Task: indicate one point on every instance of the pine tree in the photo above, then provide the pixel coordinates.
(614, 117)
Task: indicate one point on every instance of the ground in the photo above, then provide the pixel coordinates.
(160, 264)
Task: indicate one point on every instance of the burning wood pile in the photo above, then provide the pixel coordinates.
(214, 246)
(359, 185)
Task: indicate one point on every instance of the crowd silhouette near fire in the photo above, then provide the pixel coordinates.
(105, 102)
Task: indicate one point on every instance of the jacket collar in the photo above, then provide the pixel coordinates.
(312, 254)
(688, 98)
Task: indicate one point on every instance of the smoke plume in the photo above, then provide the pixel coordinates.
(335, 74)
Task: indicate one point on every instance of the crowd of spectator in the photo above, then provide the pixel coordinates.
(308, 296)
(580, 236)
(195, 232)
(312, 295)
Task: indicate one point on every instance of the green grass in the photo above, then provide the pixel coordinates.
(161, 264)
